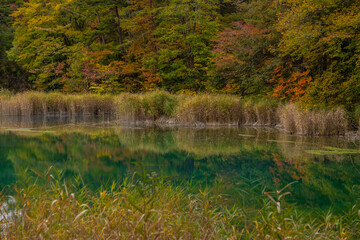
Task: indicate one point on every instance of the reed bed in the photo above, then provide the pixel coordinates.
(146, 207)
(261, 112)
(357, 117)
(153, 106)
(311, 122)
(164, 108)
(210, 109)
(37, 103)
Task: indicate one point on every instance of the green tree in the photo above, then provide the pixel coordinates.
(185, 33)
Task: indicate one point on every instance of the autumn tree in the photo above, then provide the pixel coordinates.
(61, 43)
(321, 38)
(244, 59)
(48, 43)
(141, 24)
(241, 59)
(104, 53)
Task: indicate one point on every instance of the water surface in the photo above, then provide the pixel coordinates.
(235, 162)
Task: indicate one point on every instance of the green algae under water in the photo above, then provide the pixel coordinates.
(239, 163)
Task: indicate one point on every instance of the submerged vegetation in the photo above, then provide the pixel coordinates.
(147, 207)
(166, 108)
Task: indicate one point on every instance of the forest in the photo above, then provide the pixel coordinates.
(294, 50)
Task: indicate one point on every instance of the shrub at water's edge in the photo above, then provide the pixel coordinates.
(163, 107)
(146, 207)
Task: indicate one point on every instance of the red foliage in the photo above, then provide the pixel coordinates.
(290, 88)
(13, 7)
(151, 81)
(237, 47)
(233, 40)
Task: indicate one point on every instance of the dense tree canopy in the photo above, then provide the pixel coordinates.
(11, 75)
(322, 39)
(305, 50)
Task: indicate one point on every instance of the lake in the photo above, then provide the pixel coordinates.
(239, 163)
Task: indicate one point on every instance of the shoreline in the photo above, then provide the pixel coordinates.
(163, 108)
(165, 124)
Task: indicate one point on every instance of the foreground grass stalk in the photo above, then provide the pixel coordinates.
(151, 208)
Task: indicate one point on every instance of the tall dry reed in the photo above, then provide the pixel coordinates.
(261, 112)
(37, 103)
(163, 107)
(210, 109)
(152, 106)
(357, 117)
(311, 122)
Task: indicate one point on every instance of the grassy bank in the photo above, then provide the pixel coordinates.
(165, 108)
(145, 207)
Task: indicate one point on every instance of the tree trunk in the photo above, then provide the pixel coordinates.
(119, 30)
(101, 36)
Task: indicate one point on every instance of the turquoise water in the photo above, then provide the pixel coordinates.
(239, 163)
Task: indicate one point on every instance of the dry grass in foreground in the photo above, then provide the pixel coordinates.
(151, 208)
